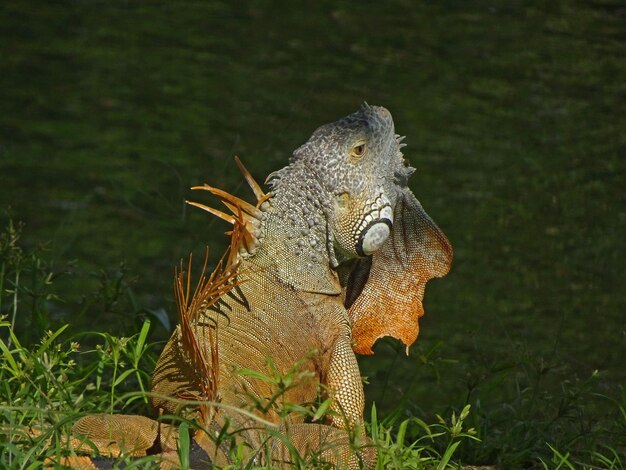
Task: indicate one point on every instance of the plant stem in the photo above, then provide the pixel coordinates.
(14, 315)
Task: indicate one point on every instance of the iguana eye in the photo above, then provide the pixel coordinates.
(357, 151)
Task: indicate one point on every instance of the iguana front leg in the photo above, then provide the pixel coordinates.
(339, 370)
(345, 386)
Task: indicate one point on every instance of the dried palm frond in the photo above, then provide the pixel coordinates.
(248, 216)
(203, 351)
(261, 197)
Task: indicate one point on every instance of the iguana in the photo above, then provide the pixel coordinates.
(333, 257)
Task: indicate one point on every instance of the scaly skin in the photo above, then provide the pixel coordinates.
(340, 247)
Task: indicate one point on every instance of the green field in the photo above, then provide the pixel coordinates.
(514, 116)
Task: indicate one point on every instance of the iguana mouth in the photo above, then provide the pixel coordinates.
(375, 233)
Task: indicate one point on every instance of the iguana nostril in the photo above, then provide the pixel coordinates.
(373, 237)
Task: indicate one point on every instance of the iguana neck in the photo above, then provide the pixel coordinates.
(295, 232)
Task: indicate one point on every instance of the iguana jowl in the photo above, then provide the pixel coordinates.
(334, 257)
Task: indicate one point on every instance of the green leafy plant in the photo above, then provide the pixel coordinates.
(528, 411)
(44, 389)
(420, 453)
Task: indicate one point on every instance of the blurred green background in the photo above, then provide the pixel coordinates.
(514, 116)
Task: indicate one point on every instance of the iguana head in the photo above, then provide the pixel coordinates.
(354, 160)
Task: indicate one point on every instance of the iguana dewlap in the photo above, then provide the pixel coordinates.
(334, 257)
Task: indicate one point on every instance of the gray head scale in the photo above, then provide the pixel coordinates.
(357, 161)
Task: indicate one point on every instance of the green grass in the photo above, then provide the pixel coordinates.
(49, 386)
(47, 383)
(514, 117)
